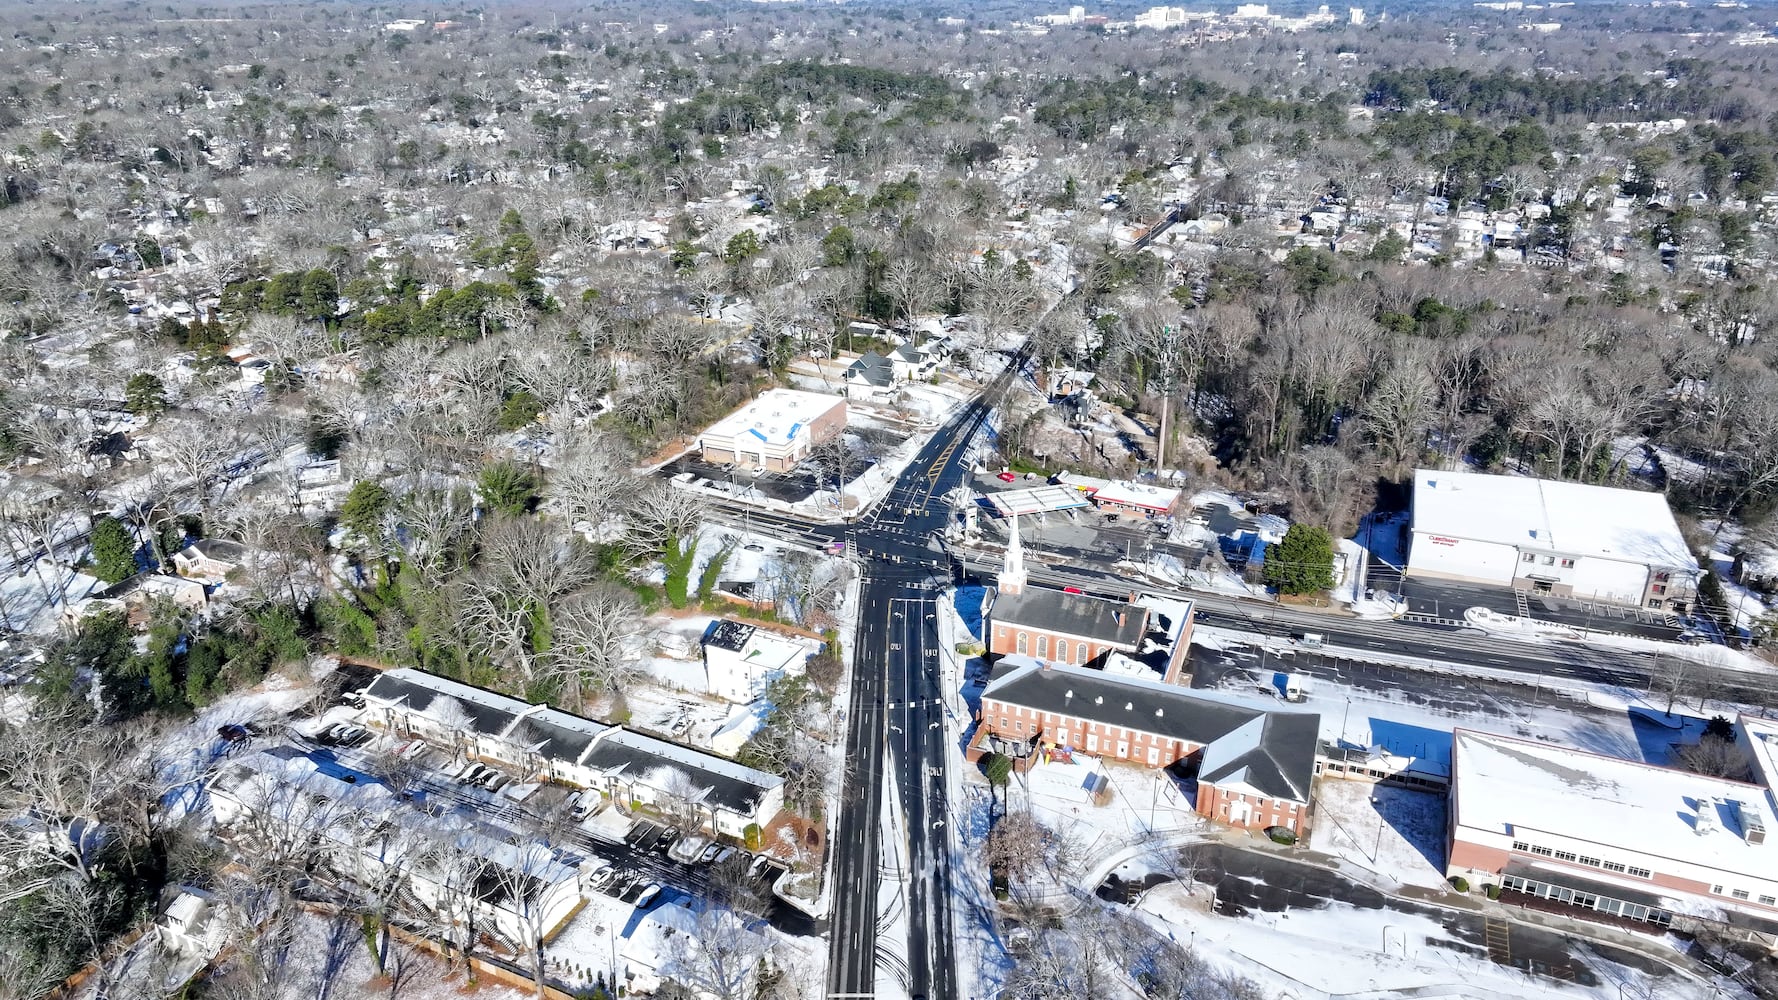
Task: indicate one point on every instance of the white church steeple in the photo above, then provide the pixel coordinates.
(1012, 572)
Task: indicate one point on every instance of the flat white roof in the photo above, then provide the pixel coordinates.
(1540, 514)
(776, 417)
(1035, 500)
(1156, 498)
(1515, 787)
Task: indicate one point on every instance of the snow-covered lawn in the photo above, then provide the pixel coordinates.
(1398, 833)
(327, 957)
(33, 601)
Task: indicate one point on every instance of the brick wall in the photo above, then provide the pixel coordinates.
(1097, 739)
(1227, 806)
(1044, 644)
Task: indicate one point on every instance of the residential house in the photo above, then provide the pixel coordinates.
(193, 925)
(1061, 383)
(918, 363)
(1255, 765)
(287, 798)
(740, 659)
(704, 790)
(665, 944)
(209, 560)
(134, 596)
(871, 378)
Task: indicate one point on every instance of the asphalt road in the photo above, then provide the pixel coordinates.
(897, 722)
(1435, 644)
(1245, 881)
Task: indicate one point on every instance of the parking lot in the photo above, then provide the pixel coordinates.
(794, 486)
(630, 858)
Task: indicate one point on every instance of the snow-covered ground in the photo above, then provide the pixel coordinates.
(328, 958)
(185, 756)
(1397, 833)
(1345, 951)
(32, 601)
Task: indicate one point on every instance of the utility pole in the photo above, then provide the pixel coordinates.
(1168, 366)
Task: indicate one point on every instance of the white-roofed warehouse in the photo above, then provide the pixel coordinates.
(1541, 536)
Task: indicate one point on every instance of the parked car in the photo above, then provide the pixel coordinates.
(474, 774)
(758, 867)
(602, 878)
(1006, 477)
(649, 895)
(234, 732)
(723, 855)
(710, 853)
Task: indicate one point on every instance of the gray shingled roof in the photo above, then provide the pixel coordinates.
(557, 735)
(1075, 614)
(724, 783)
(1280, 763)
(488, 713)
(219, 549)
(874, 369)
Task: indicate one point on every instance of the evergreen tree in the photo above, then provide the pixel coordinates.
(1302, 563)
(364, 507)
(507, 487)
(114, 550)
(144, 394)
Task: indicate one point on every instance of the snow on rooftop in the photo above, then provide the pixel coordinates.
(1568, 518)
(1504, 785)
(1156, 498)
(777, 416)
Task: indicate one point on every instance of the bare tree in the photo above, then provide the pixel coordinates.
(659, 513)
(594, 630)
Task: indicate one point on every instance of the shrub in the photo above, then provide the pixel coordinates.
(999, 769)
(1491, 890)
(1280, 835)
(753, 836)
(1459, 883)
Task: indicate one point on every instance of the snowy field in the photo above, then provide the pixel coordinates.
(1397, 833)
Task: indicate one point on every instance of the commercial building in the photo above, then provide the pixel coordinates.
(1540, 536)
(775, 431)
(1135, 500)
(1255, 766)
(1601, 835)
